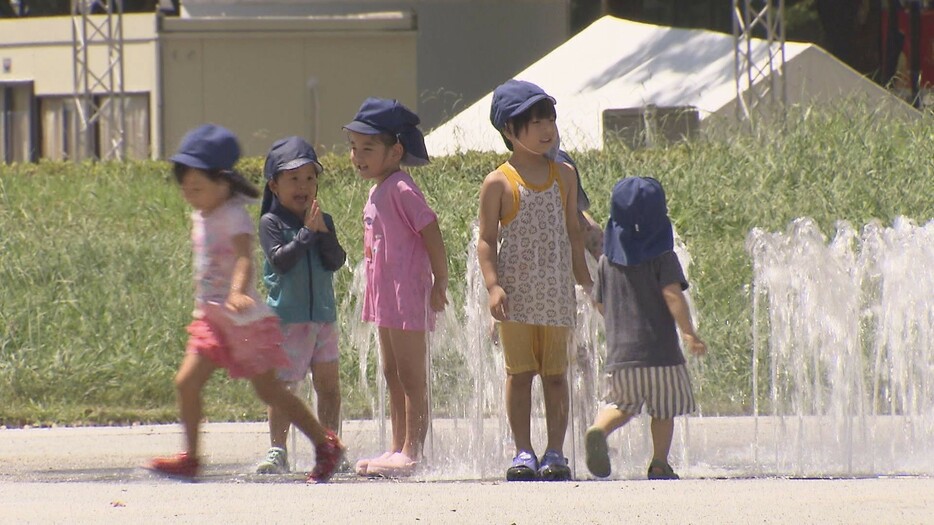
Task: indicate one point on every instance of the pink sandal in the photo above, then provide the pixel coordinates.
(362, 464)
(397, 465)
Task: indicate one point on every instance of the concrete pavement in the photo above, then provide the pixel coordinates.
(92, 475)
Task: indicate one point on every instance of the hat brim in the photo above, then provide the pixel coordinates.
(298, 163)
(363, 128)
(531, 102)
(189, 160)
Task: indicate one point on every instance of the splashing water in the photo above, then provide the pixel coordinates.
(469, 436)
(843, 370)
(843, 357)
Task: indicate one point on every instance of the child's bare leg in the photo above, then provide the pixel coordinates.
(609, 418)
(193, 373)
(275, 394)
(396, 393)
(410, 349)
(555, 389)
(278, 426)
(327, 383)
(519, 408)
(662, 432)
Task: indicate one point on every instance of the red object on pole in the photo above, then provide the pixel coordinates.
(903, 68)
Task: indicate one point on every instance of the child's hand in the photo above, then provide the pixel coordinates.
(494, 332)
(587, 288)
(694, 344)
(314, 218)
(238, 302)
(499, 308)
(439, 297)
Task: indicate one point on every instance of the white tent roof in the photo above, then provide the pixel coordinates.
(618, 63)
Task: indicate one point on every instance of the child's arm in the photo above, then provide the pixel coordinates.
(678, 306)
(237, 299)
(599, 307)
(579, 265)
(329, 248)
(592, 235)
(491, 196)
(596, 294)
(283, 256)
(437, 256)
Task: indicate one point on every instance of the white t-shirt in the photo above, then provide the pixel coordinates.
(212, 237)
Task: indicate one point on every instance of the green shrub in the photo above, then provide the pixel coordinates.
(95, 272)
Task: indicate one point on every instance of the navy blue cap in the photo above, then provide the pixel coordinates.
(286, 154)
(583, 201)
(512, 98)
(639, 228)
(382, 115)
(289, 153)
(208, 147)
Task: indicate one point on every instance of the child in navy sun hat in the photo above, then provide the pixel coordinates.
(302, 253)
(406, 272)
(530, 252)
(640, 291)
(232, 328)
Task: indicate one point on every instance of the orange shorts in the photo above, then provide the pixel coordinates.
(534, 348)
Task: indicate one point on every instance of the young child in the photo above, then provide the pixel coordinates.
(406, 271)
(231, 328)
(302, 253)
(529, 250)
(639, 289)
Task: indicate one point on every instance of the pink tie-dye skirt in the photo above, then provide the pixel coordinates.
(245, 343)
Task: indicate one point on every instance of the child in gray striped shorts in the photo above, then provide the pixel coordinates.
(639, 289)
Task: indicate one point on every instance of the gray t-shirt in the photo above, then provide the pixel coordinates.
(640, 330)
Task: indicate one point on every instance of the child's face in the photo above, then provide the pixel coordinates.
(539, 137)
(201, 192)
(371, 157)
(296, 188)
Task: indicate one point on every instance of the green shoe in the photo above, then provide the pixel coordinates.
(276, 462)
(598, 456)
(658, 469)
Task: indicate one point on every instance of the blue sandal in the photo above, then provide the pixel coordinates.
(554, 467)
(524, 467)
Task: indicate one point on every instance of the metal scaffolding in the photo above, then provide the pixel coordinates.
(97, 45)
(760, 79)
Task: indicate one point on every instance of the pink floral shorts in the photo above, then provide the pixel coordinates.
(246, 344)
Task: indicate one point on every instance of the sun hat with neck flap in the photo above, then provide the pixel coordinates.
(382, 115)
(639, 228)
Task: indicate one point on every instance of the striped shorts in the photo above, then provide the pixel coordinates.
(664, 390)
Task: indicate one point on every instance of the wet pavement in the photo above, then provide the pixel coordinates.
(93, 475)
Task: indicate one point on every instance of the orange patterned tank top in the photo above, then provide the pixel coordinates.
(534, 255)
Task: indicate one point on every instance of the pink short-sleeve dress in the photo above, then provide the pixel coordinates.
(398, 271)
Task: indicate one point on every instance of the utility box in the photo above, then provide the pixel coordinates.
(650, 125)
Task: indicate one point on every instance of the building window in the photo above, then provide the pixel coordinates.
(17, 122)
(60, 128)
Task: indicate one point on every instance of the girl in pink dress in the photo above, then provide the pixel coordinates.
(232, 328)
(406, 271)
